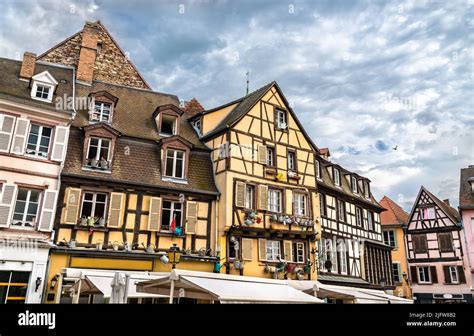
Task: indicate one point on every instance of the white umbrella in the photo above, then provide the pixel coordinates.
(119, 284)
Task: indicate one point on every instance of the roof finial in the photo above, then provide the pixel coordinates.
(248, 76)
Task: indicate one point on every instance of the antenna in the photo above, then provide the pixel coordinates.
(248, 76)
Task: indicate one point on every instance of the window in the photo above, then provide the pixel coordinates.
(331, 254)
(341, 211)
(101, 112)
(99, 150)
(396, 272)
(168, 124)
(175, 163)
(445, 241)
(301, 206)
(171, 211)
(298, 252)
(337, 177)
(424, 274)
(318, 169)
(343, 260)
(234, 247)
(389, 238)
(42, 91)
(370, 220)
(366, 189)
(354, 184)
(274, 200)
(428, 213)
(420, 245)
(453, 273)
(26, 208)
(358, 216)
(38, 140)
(273, 250)
(249, 196)
(322, 204)
(271, 156)
(281, 119)
(94, 205)
(13, 286)
(197, 125)
(291, 161)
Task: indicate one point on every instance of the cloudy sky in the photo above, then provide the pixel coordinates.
(363, 77)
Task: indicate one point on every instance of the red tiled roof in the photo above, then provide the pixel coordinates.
(394, 214)
(192, 107)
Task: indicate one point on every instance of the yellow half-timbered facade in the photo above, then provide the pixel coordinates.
(268, 208)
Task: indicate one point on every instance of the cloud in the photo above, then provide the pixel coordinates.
(362, 76)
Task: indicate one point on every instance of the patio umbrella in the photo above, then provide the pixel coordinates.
(119, 284)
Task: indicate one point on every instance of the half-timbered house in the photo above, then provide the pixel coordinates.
(351, 252)
(264, 168)
(436, 252)
(136, 180)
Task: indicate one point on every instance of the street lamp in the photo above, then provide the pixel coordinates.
(174, 255)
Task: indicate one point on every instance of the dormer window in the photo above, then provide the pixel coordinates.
(354, 184)
(197, 125)
(168, 124)
(281, 119)
(102, 107)
(175, 163)
(99, 144)
(167, 118)
(366, 189)
(101, 112)
(43, 86)
(337, 177)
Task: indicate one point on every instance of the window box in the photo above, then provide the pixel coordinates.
(293, 175)
(270, 171)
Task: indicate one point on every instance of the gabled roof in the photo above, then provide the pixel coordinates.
(394, 213)
(244, 105)
(448, 210)
(104, 126)
(466, 196)
(45, 77)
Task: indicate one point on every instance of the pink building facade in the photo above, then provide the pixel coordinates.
(436, 252)
(466, 209)
(33, 138)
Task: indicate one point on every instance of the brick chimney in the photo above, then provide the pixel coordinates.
(192, 107)
(85, 67)
(446, 201)
(28, 65)
(324, 152)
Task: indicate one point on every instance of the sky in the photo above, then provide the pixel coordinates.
(363, 77)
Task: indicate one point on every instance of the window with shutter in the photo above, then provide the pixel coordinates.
(247, 249)
(116, 209)
(191, 217)
(239, 194)
(60, 142)
(154, 217)
(262, 154)
(48, 211)
(262, 249)
(6, 203)
(7, 125)
(445, 241)
(420, 245)
(263, 197)
(19, 139)
(72, 205)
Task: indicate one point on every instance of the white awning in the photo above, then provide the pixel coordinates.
(99, 282)
(226, 288)
(354, 294)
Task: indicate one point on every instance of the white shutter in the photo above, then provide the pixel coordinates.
(6, 204)
(262, 197)
(48, 211)
(154, 217)
(7, 124)
(262, 249)
(60, 141)
(247, 249)
(288, 250)
(73, 204)
(19, 139)
(239, 194)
